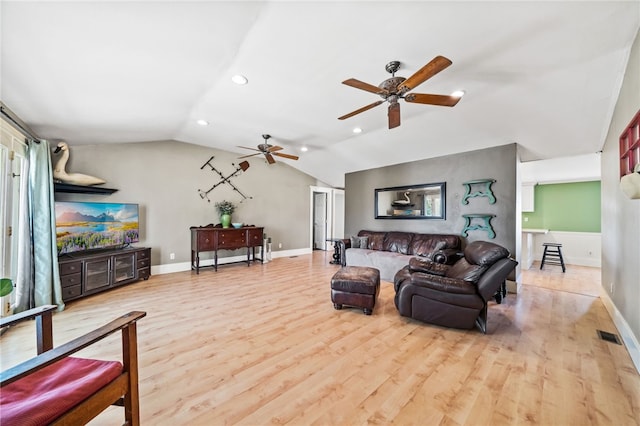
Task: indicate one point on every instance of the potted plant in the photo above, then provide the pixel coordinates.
(6, 287)
(225, 209)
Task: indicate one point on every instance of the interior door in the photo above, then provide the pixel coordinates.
(319, 220)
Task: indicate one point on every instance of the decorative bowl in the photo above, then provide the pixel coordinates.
(236, 225)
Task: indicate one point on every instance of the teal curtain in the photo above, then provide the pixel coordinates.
(46, 278)
(24, 272)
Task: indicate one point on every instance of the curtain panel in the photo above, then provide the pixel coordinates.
(44, 288)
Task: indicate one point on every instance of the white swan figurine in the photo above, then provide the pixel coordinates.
(60, 173)
(405, 201)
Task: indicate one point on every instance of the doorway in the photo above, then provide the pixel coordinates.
(327, 217)
(319, 221)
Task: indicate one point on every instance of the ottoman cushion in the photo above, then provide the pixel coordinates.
(356, 279)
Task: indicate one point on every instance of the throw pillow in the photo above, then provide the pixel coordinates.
(360, 242)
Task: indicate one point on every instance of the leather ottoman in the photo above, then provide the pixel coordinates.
(356, 286)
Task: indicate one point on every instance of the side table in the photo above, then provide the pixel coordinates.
(337, 253)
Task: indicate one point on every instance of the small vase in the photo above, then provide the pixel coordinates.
(225, 220)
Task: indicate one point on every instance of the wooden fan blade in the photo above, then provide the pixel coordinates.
(363, 109)
(394, 115)
(436, 65)
(246, 147)
(289, 156)
(275, 148)
(270, 158)
(365, 86)
(250, 155)
(424, 98)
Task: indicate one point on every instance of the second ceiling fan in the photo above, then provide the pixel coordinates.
(268, 151)
(396, 88)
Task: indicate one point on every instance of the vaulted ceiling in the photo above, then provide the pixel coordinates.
(545, 75)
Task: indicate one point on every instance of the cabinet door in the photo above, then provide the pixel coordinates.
(255, 237)
(97, 274)
(124, 268)
(528, 202)
(206, 240)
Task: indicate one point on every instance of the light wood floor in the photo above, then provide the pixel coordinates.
(263, 345)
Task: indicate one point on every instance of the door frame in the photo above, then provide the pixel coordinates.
(331, 213)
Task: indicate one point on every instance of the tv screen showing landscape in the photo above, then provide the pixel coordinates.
(84, 226)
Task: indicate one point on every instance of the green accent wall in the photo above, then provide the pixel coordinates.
(572, 207)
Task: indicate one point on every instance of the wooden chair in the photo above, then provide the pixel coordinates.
(55, 388)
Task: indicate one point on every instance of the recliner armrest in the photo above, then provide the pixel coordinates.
(421, 264)
(444, 284)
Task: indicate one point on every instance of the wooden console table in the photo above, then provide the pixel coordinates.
(209, 238)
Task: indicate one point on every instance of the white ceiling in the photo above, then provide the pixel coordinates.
(543, 74)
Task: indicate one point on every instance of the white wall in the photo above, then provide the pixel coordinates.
(578, 248)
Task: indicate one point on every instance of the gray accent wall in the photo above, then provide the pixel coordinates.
(621, 215)
(164, 177)
(499, 163)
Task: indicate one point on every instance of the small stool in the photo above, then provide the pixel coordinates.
(552, 251)
(356, 286)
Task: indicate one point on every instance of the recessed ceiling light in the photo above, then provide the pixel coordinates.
(357, 130)
(304, 149)
(239, 79)
(458, 93)
(203, 122)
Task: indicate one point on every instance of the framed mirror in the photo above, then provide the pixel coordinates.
(427, 201)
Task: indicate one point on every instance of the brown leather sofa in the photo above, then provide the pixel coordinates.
(391, 251)
(453, 295)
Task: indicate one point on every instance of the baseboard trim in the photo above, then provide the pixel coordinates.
(629, 339)
(186, 266)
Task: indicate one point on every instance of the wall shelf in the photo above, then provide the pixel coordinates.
(81, 189)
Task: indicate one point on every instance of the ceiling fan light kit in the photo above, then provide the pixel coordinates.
(395, 88)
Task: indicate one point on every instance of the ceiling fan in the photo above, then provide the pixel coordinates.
(268, 151)
(395, 88)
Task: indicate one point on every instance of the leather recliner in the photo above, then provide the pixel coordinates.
(453, 295)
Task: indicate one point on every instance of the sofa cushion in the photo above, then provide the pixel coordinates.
(388, 263)
(43, 396)
(397, 242)
(426, 244)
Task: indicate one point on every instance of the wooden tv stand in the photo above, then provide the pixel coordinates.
(86, 273)
(210, 238)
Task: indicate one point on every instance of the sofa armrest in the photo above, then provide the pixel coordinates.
(447, 256)
(344, 244)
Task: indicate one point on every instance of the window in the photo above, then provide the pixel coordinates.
(13, 160)
(630, 146)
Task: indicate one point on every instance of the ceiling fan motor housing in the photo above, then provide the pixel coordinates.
(391, 84)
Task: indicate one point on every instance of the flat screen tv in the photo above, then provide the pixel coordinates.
(82, 226)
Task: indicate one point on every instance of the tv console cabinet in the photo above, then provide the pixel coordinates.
(210, 238)
(84, 274)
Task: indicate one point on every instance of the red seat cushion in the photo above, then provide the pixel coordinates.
(43, 396)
